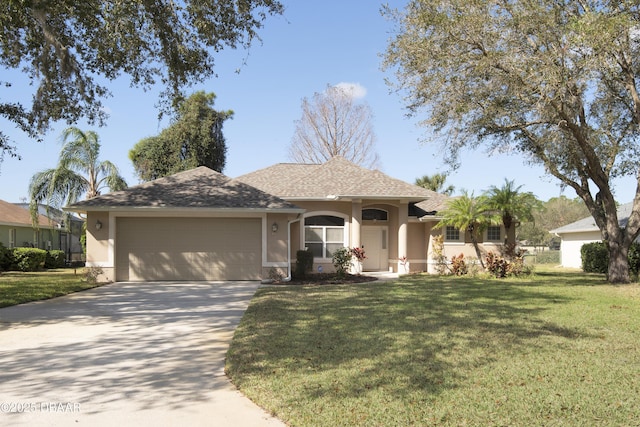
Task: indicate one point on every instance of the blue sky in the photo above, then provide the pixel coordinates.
(314, 44)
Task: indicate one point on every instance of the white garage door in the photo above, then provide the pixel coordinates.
(188, 249)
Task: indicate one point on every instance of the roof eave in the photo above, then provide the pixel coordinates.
(349, 198)
(84, 209)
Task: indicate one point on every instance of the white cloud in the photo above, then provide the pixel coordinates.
(355, 89)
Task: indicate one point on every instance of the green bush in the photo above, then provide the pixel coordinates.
(341, 261)
(54, 259)
(304, 264)
(634, 258)
(29, 259)
(6, 258)
(595, 257)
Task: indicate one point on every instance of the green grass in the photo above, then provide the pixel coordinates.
(555, 349)
(18, 287)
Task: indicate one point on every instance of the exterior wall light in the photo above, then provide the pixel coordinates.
(274, 227)
(98, 225)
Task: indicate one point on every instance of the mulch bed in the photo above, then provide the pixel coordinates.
(328, 279)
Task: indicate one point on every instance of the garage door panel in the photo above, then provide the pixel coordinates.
(188, 249)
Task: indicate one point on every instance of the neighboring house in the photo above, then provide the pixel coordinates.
(574, 235)
(202, 225)
(16, 229)
(70, 227)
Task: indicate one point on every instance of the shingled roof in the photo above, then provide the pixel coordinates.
(13, 215)
(337, 178)
(196, 188)
(589, 224)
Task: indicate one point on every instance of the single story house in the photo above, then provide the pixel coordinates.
(574, 235)
(17, 230)
(202, 225)
(70, 227)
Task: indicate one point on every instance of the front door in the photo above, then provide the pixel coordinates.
(374, 242)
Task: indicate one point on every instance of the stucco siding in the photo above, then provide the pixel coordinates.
(570, 246)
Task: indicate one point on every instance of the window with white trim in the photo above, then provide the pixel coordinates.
(453, 234)
(323, 235)
(494, 233)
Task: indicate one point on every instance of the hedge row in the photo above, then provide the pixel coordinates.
(30, 259)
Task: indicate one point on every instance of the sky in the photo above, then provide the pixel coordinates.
(314, 44)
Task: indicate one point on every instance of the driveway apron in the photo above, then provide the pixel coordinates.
(126, 354)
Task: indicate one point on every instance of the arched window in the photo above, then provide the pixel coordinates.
(374, 215)
(323, 235)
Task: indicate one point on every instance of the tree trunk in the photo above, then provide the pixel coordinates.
(478, 253)
(618, 263)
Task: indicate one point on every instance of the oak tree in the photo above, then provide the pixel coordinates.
(554, 80)
(70, 50)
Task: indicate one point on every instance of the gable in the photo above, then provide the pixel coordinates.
(335, 179)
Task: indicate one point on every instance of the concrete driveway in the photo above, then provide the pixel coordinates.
(125, 354)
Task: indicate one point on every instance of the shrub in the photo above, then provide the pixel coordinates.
(304, 264)
(29, 259)
(358, 253)
(342, 261)
(517, 267)
(634, 259)
(496, 265)
(458, 265)
(54, 259)
(595, 257)
(6, 258)
(438, 254)
(91, 274)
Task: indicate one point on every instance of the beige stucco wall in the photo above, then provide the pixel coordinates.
(277, 241)
(417, 232)
(98, 247)
(456, 248)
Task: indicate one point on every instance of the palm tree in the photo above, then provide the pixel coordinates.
(513, 206)
(470, 214)
(79, 172)
(435, 183)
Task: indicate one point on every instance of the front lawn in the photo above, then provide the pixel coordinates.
(18, 287)
(554, 349)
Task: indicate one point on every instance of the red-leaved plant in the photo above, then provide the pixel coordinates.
(358, 253)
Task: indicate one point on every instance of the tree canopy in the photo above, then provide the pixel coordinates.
(79, 172)
(514, 207)
(436, 182)
(70, 50)
(194, 139)
(554, 80)
(553, 213)
(333, 124)
(471, 215)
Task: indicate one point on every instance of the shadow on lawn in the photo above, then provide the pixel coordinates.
(413, 337)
